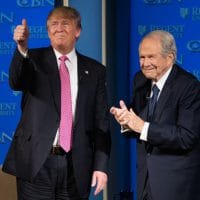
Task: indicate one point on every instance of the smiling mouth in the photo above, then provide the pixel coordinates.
(149, 69)
(59, 35)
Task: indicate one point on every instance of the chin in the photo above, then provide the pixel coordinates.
(149, 76)
(60, 45)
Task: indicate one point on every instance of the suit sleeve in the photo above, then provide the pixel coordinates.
(102, 140)
(21, 72)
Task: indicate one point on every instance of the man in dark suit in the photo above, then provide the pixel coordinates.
(165, 118)
(45, 168)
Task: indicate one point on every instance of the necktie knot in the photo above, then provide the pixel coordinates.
(155, 90)
(63, 67)
(63, 58)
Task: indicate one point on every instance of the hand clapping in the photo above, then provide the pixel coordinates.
(127, 118)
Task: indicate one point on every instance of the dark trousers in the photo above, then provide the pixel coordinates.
(55, 181)
(147, 195)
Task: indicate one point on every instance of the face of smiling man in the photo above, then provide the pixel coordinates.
(153, 62)
(63, 33)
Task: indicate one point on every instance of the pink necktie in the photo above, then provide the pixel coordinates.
(66, 107)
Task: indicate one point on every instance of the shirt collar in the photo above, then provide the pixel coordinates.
(71, 55)
(160, 83)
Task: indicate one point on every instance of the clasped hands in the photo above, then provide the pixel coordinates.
(127, 118)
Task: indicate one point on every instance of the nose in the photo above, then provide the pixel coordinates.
(59, 27)
(145, 62)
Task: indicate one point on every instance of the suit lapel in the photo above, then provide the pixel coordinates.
(144, 112)
(143, 99)
(165, 94)
(51, 68)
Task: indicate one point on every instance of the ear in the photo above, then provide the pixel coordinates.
(78, 32)
(170, 58)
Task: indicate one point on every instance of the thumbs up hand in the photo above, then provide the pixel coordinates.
(21, 34)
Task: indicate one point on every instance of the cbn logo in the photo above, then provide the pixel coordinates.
(193, 45)
(34, 3)
(157, 1)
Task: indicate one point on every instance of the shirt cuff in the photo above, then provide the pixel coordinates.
(124, 129)
(144, 133)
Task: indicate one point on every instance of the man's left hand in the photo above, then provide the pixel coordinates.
(99, 179)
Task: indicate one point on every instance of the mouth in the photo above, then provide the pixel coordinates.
(59, 36)
(149, 70)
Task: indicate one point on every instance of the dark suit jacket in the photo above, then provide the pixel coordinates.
(172, 153)
(38, 78)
